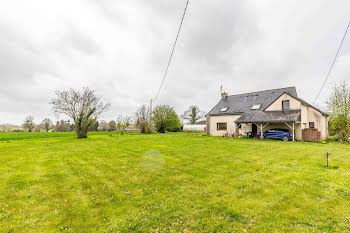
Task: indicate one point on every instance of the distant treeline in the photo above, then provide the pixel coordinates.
(59, 126)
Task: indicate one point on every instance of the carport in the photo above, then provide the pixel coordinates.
(262, 120)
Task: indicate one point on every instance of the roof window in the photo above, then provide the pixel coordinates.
(223, 109)
(256, 106)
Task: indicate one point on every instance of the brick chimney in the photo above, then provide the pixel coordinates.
(224, 95)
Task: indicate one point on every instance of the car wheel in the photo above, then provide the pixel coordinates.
(285, 138)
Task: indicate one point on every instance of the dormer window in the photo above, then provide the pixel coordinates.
(223, 109)
(285, 105)
(256, 106)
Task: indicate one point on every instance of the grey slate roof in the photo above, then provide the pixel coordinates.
(269, 117)
(242, 103)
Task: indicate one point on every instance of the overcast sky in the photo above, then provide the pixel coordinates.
(120, 49)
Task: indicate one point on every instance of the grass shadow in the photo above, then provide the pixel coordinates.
(329, 167)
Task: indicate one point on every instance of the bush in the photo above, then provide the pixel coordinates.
(166, 119)
(340, 128)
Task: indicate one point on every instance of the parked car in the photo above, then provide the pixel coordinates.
(281, 134)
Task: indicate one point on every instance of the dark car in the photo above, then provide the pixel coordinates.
(281, 134)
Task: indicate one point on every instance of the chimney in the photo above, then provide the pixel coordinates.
(224, 95)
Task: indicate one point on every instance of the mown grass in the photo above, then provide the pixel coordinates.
(172, 182)
(36, 135)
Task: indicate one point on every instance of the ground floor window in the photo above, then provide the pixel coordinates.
(221, 126)
(311, 125)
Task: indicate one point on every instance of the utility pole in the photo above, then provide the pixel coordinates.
(150, 116)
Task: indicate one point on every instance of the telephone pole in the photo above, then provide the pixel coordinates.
(150, 116)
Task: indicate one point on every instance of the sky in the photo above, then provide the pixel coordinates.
(120, 49)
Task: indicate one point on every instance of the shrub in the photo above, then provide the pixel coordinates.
(166, 119)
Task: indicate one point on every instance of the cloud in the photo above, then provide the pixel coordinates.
(120, 49)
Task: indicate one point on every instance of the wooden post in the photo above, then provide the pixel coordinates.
(327, 154)
(261, 131)
(235, 131)
(293, 131)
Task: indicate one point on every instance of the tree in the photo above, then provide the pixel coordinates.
(166, 119)
(193, 114)
(62, 126)
(112, 126)
(37, 128)
(103, 126)
(83, 107)
(46, 124)
(122, 123)
(142, 119)
(95, 126)
(339, 108)
(29, 123)
(71, 125)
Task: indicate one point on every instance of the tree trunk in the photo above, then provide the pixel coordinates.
(81, 133)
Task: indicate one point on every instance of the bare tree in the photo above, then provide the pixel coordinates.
(142, 119)
(193, 114)
(62, 126)
(28, 123)
(112, 125)
(95, 126)
(47, 124)
(83, 107)
(122, 123)
(103, 126)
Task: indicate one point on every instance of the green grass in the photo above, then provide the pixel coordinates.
(171, 182)
(36, 135)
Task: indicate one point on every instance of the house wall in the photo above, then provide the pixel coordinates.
(298, 132)
(277, 105)
(308, 114)
(245, 128)
(230, 120)
(321, 122)
(304, 117)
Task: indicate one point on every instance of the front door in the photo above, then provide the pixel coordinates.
(254, 130)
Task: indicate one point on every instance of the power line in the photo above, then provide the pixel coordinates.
(335, 58)
(172, 51)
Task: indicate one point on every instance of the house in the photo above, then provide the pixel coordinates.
(236, 115)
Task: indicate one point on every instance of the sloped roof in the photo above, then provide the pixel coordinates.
(269, 117)
(310, 105)
(242, 103)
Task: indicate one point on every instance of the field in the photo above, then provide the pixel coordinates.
(173, 182)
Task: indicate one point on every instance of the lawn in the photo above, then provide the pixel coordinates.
(173, 182)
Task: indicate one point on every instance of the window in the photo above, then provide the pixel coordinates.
(223, 109)
(221, 126)
(285, 105)
(312, 125)
(256, 107)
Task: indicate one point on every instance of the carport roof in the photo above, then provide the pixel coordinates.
(269, 117)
